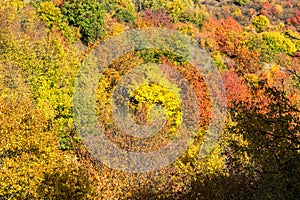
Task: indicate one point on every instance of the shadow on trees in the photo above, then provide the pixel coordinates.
(271, 129)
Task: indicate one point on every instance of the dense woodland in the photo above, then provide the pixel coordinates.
(255, 45)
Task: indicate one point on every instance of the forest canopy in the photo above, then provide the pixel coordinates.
(253, 44)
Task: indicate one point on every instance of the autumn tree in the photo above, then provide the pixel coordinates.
(270, 128)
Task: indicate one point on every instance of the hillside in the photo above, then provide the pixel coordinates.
(149, 99)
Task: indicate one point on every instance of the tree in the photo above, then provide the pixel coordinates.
(270, 44)
(31, 164)
(157, 18)
(53, 18)
(226, 36)
(241, 2)
(260, 23)
(88, 15)
(270, 126)
(122, 10)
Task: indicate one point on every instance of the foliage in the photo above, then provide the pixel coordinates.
(187, 29)
(113, 27)
(278, 43)
(150, 4)
(241, 2)
(157, 18)
(195, 15)
(186, 11)
(88, 15)
(227, 36)
(270, 44)
(260, 23)
(272, 130)
(32, 166)
(53, 18)
(268, 9)
(122, 10)
(175, 9)
(47, 62)
(42, 44)
(148, 96)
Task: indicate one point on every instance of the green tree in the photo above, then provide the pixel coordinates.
(88, 15)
